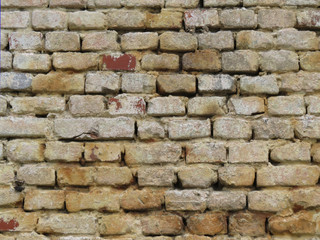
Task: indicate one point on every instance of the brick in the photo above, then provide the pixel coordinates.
(307, 127)
(105, 152)
(49, 20)
(238, 19)
(160, 62)
(6, 174)
(150, 129)
(32, 62)
(227, 201)
(9, 197)
(67, 223)
(206, 152)
(241, 61)
(189, 129)
(23, 127)
(101, 199)
(221, 83)
(24, 4)
(286, 105)
(305, 197)
(69, 4)
(290, 175)
(162, 224)
(37, 105)
(31, 236)
(25, 151)
(3, 106)
(308, 18)
(44, 199)
(36, 174)
(62, 42)
(268, 200)
(143, 3)
(102, 82)
(94, 128)
(108, 4)
(219, 3)
(15, 19)
(113, 176)
(25, 41)
(139, 41)
(272, 3)
(222, 40)
(255, 40)
(246, 105)
(156, 177)
(313, 103)
(6, 60)
(253, 152)
(138, 83)
(276, 18)
(247, 223)
(126, 105)
(166, 106)
(199, 18)
(209, 223)
(166, 19)
(272, 128)
(5, 237)
(176, 84)
(181, 41)
(279, 61)
(207, 106)
(118, 62)
(115, 224)
(62, 151)
(98, 41)
(152, 153)
(125, 19)
(186, 200)
(4, 39)
(16, 220)
(203, 60)
(58, 82)
(299, 151)
(75, 61)
(259, 85)
(236, 176)
(182, 3)
(315, 153)
(189, 177)
(310, 61)
(75, 176)
(11, 81)
(86, 105)
(85, 20)
(229, 128)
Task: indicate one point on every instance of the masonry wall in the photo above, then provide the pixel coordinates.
(160, 120)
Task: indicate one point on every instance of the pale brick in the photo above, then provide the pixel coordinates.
(138, 83)
(31, 236)
(160, 62)
(25, 41)
(290, 175)
(299, 151)
(108, 3)
(313, 103)
(139, 41)
(85, 20)
(189, 129)
(189, 177)
(36, 174)
(219, 3)
(253, 152)
(15, 19)
(199, 18)
(75, 61)
(259, 85)
(44, 199)
(241, 61)
(181, 41)
(58, 82)
(308, 18)
(247, 224)
(4, 39)
(166, 106)
(276, 18)
(150, 130)
(182, 3)
(105, 152)
(272, 128)
(75, 176)
(113, 176)
(246, 105)
(220, 83)
(104, 199)
(98, 41)
(222, 40)
(125, 19)
(279, 61)
(86, 105)
(2, 151)
(166, 19)
(305, 197)
(310, 61)
(236, 176)
(238, 18)
(176, 84)
(308, 127)
(227, 201)
(152, 153)
(37, 105)
(206, 152)
(20, 220)
(255, 40)
(315, 152)
(62, 42)
(271, 3)
(209, 223)
(5, 237)
(126, 105)
(6, 60)
(143, 3)
(6, 174)
(9, 197)
(32, 62)
(49, 20)
(68, 4)
(63, 151)
(268, 200)
(11, 81)
(23, 3)
(3, 107)
(203, 60)
(102, 82)
(115, 224)
(186, 200)
(25, 151)
(156, 177)
(229, 128)
(286, 105)
(207, 106)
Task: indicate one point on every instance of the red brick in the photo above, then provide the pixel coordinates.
(125, 62)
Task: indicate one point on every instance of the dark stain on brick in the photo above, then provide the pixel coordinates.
(116, 101)
(141, 106)
(124, 62)
(94, 157)
(315, 20)
(11, 225)
(297, 208)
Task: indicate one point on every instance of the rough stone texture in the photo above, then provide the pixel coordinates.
(227, 201)
(189, 177)
(187, 129)
(221, 83)
(100, 41)
(240, 176)
(25, 151)
(246, 105)
(105, 152)
(62, 42)
(299, 151)
(203, 60)
(222, 40)
(186, 200)
(206, 152)
(291, 105)
(139, 41)
(197, 18)
(166, 106)
(59, 151)
(176, 84)
(206, 106)
(160, 62)
(255, 40)
(156, 177)
(310, 61)
(259, 85)
(276, 18)
(279, 61)
(49, 20)
(102, 82)
(242, 61)
(238, 19)
(179, 42)
(209, 223)
(230, 128)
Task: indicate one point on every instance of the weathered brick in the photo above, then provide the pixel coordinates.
(313, 103)
(219, 3)
(105, 152)
(112, 176)
(207, 106)
(203, 60)
(143, 3)
(25, 41)
(62, 41)
(220, 83)
(25, 151)
(85, 20)
(268, 200)
(310, 61)
(186, 200)
(6, 174)
(62, 151)
(49, 20)
(308, 18)
(315, 152)
(308, 127)
(259, 85)
(3, 108)
(255, 40)
(209, 223)
(31, 236)
(160, 62)
(4, 39)
(238, 18)
(11, 81)
(182, 3)
(247, 223)
(150, 129)
(206, 152)
(102, 82)
(139, 41)
(236, 176)
(189, 177)
(44, 199)
(16, 220)
(241, 61)
(15, 19)
(5, 237)
(222, 40)
(229, 128)
(272, 128)
(188, 129)
(162, 224)
(108, 4)
(24, 4)
(286, 105)
(290, 175)
(279, 61)
(6, 60)
(156, 177)
(75, 61)
(75, 176)
(181, 41)
(253, 152)
(246, 105)
(176, 84)
(166, 19)
(115, 224)
(10, 197)
(126, 105)
(305, 197)
(299, 151)
(36, 174)
(276, 18)
(32, 62)
(138, 83)
(118, 62)
(199, 18)
(68, 4)
(86, 105)
(166, 106)
(227, 201)
(98, 41)
(125, 19)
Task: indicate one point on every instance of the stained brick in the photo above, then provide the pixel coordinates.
(15, 19)
(189, 129)
(198, 18)
(118, 62)
(203, 60)
(49, 20)
(98, 41)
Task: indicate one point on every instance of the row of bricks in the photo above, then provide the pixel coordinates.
(166, 19)
(241, 61)
(290, 39)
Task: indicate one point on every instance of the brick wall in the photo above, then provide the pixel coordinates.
(160, 120)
